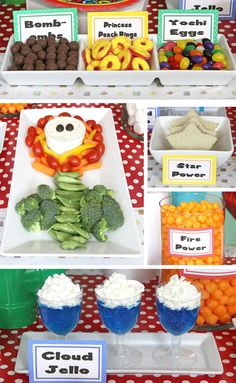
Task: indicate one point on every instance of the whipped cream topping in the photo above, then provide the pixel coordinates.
(58, 291)
(178, 294)
(119, 291)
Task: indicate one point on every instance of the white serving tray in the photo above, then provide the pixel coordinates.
(3, 127)
(201, 77)
(208, 358)
(223, 148)
(123, 242)
(123, 77)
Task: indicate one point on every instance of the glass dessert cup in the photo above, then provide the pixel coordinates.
(176, 321)
(120, 318)
(61, 320)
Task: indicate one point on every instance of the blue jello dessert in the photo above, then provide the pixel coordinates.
(62, 320)
(176, 321)
(119, 319)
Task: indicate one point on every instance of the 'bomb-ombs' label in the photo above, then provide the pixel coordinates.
(191, 242)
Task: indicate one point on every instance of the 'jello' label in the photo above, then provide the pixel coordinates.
(191, 243)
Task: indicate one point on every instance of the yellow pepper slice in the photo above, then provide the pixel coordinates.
(47, 150)
(40, 137)
(76, 151)
(92, 134)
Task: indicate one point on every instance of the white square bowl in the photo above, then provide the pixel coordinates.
(223, 148)
(34, 77)
(118, 77)
(201, 77)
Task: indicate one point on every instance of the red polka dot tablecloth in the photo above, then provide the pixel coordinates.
(131, 151)
(90, 321)
(228, 27)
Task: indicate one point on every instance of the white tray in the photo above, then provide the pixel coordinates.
(3, 127)
(208, 358)
(201, 77)
(222, 149)
(123, 242)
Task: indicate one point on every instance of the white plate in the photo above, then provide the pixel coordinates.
(17, 241)
(122, 77)
(208, 358)
(201, 77)
(222, 149)
(3, 127)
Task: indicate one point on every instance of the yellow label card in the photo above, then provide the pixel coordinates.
(106, 25)
(191, 170)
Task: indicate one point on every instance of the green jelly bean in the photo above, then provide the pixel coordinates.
(67, 202)
(69, 217)
(71, 187)
(79, 230)
(68, 174)
(169, 53)
(189, 48)
(64, 227)
(71, 245)
(217, 51)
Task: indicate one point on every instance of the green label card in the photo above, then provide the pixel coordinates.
(176, 24)
(41, 23)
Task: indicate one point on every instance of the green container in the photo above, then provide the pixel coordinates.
(18, 290)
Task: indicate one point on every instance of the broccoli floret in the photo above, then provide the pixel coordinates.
(93, 195)
(112, 212)
(32, 202)
(99, 230)
(45, 192)
(49, 210)
(90, 214)
(101, 189)
(31, 220)
(20, 207)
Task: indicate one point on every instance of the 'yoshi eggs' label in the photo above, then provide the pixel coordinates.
(191, 242)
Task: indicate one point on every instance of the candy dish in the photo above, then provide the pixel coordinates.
(222, 149)
(208, 358)
(204, 77)
(123, 242)
(46, 77)
(123, 77)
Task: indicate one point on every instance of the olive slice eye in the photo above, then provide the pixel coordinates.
(69, 127)
(60, 128)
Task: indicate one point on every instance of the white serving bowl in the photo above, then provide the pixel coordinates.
(223, 148)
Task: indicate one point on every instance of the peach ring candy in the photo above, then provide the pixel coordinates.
(100, 49)
(96, 64)
(110, 62)
(140, 64)
(143, 43)
(120, 43)
(125, 57)
(138, 52)
(90, 67)
(86, 54)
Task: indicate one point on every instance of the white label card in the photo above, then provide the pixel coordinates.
(226, 8)
(192, 243)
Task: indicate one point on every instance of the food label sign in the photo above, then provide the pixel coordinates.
(107, 25)
(226, 8)
(175, 24)
(191, 243)
(67, 361)
(42, 23)
(190, 170)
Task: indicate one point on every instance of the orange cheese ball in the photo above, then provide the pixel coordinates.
(193, 215)
(12, 108)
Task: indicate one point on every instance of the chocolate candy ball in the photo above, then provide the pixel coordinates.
(36, 48)
(14, 67)
(31, 57)
(41, 55)
(62, 57)
(61, 64)
(63, 40)
(31, 41)
(73, 46)
(19, 60)
(28, 66)
(16, 47)
(40, 67)
(73, 54)
(25, 50)
(51, 56)
(72, 61)
(51, 66)
(63, 47)
(70, 67)
(43, 43)
(51, 49)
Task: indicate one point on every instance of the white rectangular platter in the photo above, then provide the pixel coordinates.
(222, 149)
(17, 241)
(208, 358)
(3, 127)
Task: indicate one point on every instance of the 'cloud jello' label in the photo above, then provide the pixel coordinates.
(192, 243)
